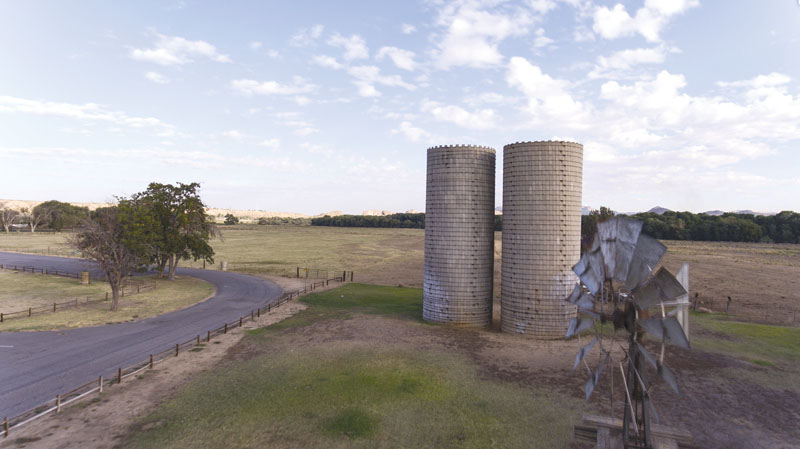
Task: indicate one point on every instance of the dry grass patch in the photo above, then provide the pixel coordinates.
(18, 290)
(168, 296)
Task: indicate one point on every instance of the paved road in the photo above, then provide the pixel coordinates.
(36, 366)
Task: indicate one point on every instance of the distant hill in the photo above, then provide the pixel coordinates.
(658, 210)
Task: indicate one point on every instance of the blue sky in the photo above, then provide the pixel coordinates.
(316, 106)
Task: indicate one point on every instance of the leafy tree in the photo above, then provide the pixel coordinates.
(231, 219)
(184, 228)
(61, 215)
(7, 216)
(34, 217)
(117, 238)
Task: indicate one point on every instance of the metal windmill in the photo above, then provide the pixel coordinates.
(618, 285)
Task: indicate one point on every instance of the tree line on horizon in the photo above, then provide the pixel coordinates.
(730, 227)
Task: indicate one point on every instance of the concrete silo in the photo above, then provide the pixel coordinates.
(542, 185)
(459, 235)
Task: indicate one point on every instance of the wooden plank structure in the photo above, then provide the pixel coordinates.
(607, 432)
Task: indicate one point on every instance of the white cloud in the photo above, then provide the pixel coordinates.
(303, 132)
(620, 62)
(234, 134)
(366, 76)
(255, 45)
(326, 61)
(271, 143)
(299, 85)
(540, 40)
(354, 46)
(175, 50)
(159, 157)
(472, 35)
(481, 119)
(648, 21)
(274, 54)
(305, 37)
(403, 59)
(87, 111)
(411, 132)
(408, 28)
(548, 98)
(156, 78)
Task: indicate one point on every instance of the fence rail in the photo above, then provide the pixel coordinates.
(97, 385)
(133, 286)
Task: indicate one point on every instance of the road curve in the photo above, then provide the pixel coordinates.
(36, 366)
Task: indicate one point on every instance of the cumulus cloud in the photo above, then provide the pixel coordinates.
(648, 21)
(271, 143)
(619, 63)
(299, 85)
(408, 28)
(403, 59)
(473, 30)
(326, 61)
(354, 46)
(156, 78)
(540, 40)
(305, 37)
(176, 50)
(548, 98)
(233, 134)
(367, 76)
(481, 119)
(255, 45)
(411, 132)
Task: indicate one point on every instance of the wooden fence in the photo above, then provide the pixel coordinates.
(133, 286)
(98, 384)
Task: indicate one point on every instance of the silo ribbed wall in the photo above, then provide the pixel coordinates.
(459, 235)
(542, 184)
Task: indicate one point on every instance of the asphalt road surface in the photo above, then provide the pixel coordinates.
(36, 366)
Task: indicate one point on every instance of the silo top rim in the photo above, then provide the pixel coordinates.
(542, 141)
(482, 147)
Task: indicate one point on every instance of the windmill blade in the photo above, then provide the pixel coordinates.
(662, 369)
(583, 352)
(590, 270)
(618, 237)
(665, 329)
(648, 253)
(578, 325)
(575, 295)
(663, 287)
(585, 302)
(594, 379)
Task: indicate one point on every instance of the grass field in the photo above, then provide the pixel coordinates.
(282, 387)
(18, 290)
(359, 369)
(23, 290)
(762, 279)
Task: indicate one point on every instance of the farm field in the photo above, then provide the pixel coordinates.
(358, 368)
(763, 280)
(18, 291)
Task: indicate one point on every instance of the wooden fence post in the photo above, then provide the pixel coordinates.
(176, 349)
(298, 271)
(269, 307)
(1, 317)
(198, 339)
(208, 336)
(5, 427)
(225, 331)
(100, 383)
(351, 276)
(151, 361)
(54, 307)
(58, 403)
(240, 321)
(119, 375)
(258, 313)
(252, 315)
(29, 311)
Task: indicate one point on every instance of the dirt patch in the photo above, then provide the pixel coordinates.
(98, 421)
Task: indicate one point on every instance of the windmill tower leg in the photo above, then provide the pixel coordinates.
(683, 301)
